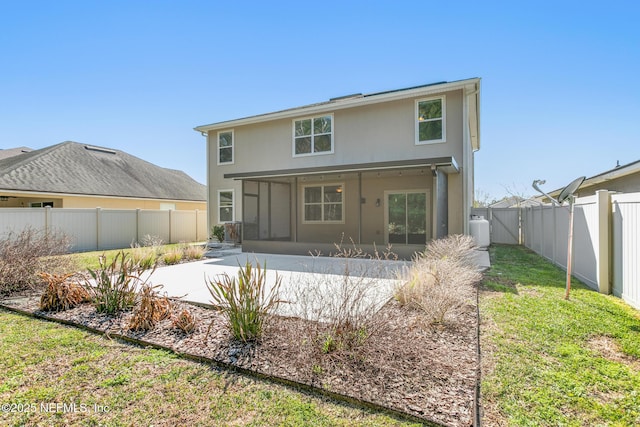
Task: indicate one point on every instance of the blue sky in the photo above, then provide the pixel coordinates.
(560, 95)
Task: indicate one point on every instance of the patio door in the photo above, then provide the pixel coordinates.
(406, 217)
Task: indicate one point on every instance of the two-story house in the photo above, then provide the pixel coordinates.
(393, 167)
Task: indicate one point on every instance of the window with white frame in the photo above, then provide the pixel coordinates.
(225, 206)
(430, 120)
(225, 147)
(313, 135)
(323, 203)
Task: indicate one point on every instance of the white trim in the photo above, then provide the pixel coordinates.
(424, 191)
(318, 109)
(233, 147)
(312, 153)
(322, 203)
(233, 204)
(442, 98)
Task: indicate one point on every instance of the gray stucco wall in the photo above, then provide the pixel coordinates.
(369, 133)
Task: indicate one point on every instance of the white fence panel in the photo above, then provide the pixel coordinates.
(14, 220)
(505, 226)
(547, 232)
(118, 228)
(81, 225)
(585, 242)
(154, 223)
(626, 247)
(183, 226)
(201, 221)
(97, 229)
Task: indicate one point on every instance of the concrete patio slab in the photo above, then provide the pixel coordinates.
(310, 285)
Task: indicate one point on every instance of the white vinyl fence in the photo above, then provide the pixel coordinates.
(606, 238)
(98, 229)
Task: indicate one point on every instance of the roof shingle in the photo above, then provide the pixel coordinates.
(74, 168)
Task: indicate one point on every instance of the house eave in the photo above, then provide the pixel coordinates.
(447, 164)
(339, 104)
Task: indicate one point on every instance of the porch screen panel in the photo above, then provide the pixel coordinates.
(250, 210)
(263, 211)
(280, 211)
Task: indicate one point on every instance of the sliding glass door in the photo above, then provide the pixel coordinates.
(407, 217)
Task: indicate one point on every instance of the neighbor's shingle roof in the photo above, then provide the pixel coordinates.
(10, 152)
(73, 168)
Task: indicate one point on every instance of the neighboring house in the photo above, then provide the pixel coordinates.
(514, 202)
(73, 175)
(621, 179)
(392, 167)
(11, 152)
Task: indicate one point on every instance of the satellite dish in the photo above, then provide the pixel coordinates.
(570, 189)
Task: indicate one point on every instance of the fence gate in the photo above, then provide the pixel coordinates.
(504, 224)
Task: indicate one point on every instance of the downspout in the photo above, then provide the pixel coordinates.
(209, 210)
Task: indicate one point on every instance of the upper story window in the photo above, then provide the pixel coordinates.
(313, 135)
(225, 147)
(430, 120)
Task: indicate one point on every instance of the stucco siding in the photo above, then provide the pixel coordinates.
(370, 133)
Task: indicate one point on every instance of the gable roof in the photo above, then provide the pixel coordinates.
(74, 168)
(615, 173)
(10, 152)
(471, 87)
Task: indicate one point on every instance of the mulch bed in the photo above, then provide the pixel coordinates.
(428, 372)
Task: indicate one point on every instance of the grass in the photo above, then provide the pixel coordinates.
(45, 363)
(548, 361)
(86, 260)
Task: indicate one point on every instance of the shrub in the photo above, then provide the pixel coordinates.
(144, 257)
(115, 283)
(440, 280)
(185, 321)
(61, 295)
(245, 300)
(345, 310)
(354, 251)
(458, 248)
(23, 255)
(218, 232)
(172, 257)
(193, 252)
(149, 240)
(150, 308)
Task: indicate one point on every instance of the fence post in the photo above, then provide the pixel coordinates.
(47, 219)
(170, 225)
(603, 203)
(98, 227)
(138, 226)
(196, 239)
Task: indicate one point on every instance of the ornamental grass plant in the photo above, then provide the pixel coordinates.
(245, 300)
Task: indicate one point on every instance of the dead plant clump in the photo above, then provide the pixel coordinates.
(150, 308)
(191, 252)
(343, 322)
(23, 255)
(440, 280)
(60, 294)
(185, 321)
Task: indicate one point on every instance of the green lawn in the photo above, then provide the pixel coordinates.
(113, 384)
(548, 361)
(84, 260)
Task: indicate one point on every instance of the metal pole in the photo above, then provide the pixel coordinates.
(569, 249)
